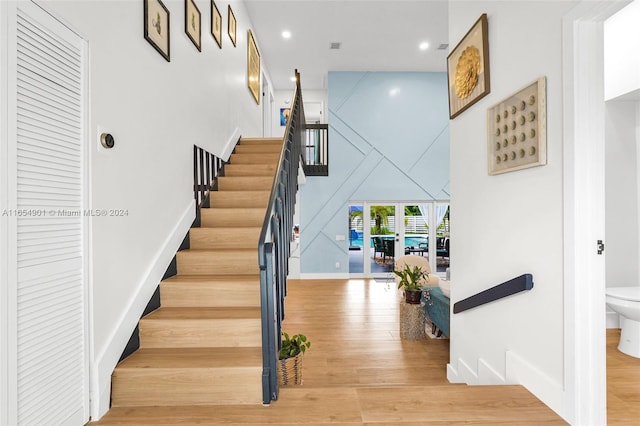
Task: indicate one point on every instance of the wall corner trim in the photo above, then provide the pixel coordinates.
(104, 363)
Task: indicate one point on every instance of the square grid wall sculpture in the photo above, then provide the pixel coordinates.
(517, 130)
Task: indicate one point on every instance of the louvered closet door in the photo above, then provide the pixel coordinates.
(51, 335)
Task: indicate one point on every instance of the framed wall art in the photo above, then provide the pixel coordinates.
(517, 130)
(468, 68)
(156, 27)
(231, 27)
(192, 23)
(253, 67)
(216, 24)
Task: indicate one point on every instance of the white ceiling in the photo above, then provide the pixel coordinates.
(376, 35)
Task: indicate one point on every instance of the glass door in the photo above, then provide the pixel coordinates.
(381, 232)
(383, 238)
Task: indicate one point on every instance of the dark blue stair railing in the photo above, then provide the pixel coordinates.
(274, 244)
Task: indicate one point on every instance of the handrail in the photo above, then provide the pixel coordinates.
(507, 288)
(274, 244)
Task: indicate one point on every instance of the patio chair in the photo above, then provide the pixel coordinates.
(388, 249)
(378, 246)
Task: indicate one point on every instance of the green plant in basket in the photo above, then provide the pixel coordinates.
(292, 346)
(411, 277)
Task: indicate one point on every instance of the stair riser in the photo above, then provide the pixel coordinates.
(260, 141)
(195, 386)
(239, 170)
(259, 149)
(241, 217)
(239, 199)
(263, 158)
(224, 238)
(210, 295)
(237, 183)
(213, 333)
(219, 263)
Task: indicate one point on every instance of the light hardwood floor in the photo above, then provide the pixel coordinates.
(359, 371)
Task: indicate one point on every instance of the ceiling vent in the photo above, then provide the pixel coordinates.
(443, 46)
(335, 45)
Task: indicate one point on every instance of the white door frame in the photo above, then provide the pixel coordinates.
(585, 378)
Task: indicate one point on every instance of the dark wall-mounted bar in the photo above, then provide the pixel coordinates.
(516, 285)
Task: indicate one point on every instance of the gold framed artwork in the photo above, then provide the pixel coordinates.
(156, 27)
(517, 130)
(231, 27)
(253, 67)
(216, 24)
(192, 23)
(468, 68)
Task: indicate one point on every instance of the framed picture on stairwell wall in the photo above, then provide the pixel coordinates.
(156, 27)
(231, 26)
(216, 24)
(192, 23)
(253, 67)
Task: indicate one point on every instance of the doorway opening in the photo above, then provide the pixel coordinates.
(379, 232)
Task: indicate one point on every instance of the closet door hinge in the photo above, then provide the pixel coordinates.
(600, 246)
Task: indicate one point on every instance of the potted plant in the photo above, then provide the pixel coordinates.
(411, 280)
(290, 358)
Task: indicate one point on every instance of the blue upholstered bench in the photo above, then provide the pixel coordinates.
(436, 306)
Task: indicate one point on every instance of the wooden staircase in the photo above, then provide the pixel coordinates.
(203, 345)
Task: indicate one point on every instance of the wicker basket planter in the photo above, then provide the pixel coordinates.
(290, 370)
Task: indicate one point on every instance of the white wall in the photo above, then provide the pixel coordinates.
(509, 224)
(621, 180)
(622, 92)
(157, 111)
(621, 44)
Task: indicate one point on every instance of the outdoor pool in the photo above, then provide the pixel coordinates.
(409, 241)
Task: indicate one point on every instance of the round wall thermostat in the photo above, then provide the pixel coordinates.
(107, 141)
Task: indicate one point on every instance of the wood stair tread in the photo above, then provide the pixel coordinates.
(261, 141)
(212, 279)
(203, 313)
(193, 358)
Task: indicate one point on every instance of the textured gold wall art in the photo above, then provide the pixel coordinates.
(517, 130)
(468, 68)
(253, 67)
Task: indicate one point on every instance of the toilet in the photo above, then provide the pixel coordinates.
(626, 302)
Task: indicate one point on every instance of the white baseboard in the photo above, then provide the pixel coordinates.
(230, 144)
(519, 371)
(462, 374)
(487, 375)
(452, 374)
(105, 362)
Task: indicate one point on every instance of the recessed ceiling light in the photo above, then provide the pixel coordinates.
(286, 34)
(394, 91)
(293, 79)
(424, 45)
